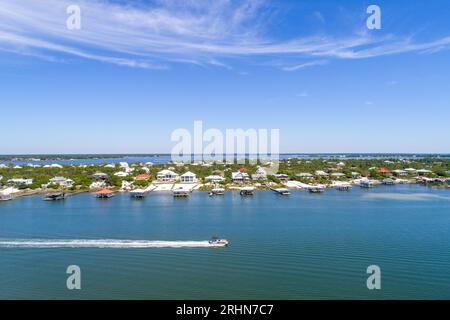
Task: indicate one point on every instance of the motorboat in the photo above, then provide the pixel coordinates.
(216, 242)
(217, 192)
(55, 196)
(366, 184)
(247, 191)
(316, 189)
(282, 191)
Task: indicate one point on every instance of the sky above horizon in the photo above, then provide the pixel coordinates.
(138, 70)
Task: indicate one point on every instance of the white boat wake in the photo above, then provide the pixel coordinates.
(104, 243)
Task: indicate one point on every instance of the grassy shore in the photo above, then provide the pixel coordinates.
(349, 170)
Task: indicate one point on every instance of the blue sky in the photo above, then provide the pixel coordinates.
(137, 70)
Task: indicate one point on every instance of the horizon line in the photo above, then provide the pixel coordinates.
(223, 154)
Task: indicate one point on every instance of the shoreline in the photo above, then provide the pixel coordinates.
(70, 193)
(291, 173)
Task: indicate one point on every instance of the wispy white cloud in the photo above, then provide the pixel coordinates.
(197, 32)
(24, 43)
(305, 65)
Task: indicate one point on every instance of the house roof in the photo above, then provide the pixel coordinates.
(304, 174)
(99, 174)
(166, 172)
(384, 170)
(214, 177)
(260, 170)
(58, 178)
(239, 174)
(188, 174)
(104, 191)
(424, 171)
(143, 176)
(338, 174)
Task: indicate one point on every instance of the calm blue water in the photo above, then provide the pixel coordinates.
(298, 247)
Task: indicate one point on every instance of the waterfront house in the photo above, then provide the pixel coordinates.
(188, 177)
(400, 173)
(99, 176)
(424, 172)
(239, 176)
(215, 178)
(142, 177)
(305, 175)
(384, 171)
(260, 174)
(166, 176)
(61, 181)
(338, 175)
(20, 181)
(321, 173)
(411, 170)
(281, 176)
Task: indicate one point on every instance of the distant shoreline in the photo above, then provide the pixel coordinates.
(233, 189)
(166, 157)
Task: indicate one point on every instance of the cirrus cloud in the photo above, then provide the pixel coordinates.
(161, 33)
